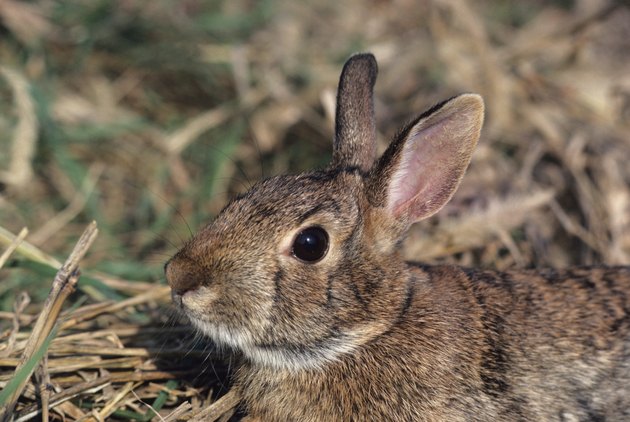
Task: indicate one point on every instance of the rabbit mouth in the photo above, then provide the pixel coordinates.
(194, 300)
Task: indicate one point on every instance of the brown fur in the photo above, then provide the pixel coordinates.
(355, 127)
(363, 335)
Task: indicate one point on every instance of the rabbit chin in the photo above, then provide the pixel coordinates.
(281, 357)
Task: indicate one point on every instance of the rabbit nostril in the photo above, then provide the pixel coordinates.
(176, 298)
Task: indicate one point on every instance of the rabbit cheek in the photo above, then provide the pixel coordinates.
(228, 317)
(382, 232)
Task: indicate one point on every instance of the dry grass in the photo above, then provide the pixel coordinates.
(147, 117)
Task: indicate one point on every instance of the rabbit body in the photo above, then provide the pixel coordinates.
(304, 278)
(474, 346)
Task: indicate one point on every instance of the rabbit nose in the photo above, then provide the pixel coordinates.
(182, 276)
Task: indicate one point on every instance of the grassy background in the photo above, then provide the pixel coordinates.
(148, 116)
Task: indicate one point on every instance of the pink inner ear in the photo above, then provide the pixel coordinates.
(434, 159)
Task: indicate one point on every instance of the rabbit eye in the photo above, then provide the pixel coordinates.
(310, 245)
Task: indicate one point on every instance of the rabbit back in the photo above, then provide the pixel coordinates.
(558, 340)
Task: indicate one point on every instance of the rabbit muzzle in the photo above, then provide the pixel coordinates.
(182, 276)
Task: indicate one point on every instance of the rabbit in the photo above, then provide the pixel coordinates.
(303, 277)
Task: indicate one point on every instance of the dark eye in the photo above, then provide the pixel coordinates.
(311, 244)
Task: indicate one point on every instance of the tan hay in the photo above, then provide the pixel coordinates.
(471, 230)
(110, 406)
(178, 141)
(218, 408)
(20, 169)
(15, 243)
(60, 220)
(62, 286)
(28, 250)
(22, 300)
(27, 21)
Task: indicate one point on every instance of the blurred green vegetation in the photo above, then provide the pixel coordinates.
(81, 44)
(148, 116)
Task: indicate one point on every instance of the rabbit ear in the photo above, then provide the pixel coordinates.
(421, 169)
(355, 127)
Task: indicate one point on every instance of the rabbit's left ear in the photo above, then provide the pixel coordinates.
(421, 169)
(355, 128)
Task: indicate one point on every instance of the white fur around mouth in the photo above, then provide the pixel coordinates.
(292, 359)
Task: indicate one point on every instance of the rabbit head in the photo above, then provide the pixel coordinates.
(303, 268)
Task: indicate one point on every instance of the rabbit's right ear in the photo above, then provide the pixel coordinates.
(420, 171)
(355, 127)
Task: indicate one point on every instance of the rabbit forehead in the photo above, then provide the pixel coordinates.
(284, 202)
(255, 224)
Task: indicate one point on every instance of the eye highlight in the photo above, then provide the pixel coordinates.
(310, 245)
